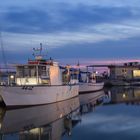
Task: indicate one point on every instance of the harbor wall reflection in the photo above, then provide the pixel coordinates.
(128, 95)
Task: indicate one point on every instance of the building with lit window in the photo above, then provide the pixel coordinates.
(127, 71)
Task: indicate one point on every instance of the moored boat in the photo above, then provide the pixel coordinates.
(89, 83)
(38, 82)
(90, 87)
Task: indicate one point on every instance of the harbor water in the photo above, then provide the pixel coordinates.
(110, 114)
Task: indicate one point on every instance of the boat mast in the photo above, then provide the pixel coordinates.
(38, 52)
(38, 56)
(87, 78)
(40, 49)
(3, 55)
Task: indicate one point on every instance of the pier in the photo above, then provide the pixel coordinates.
(121, 74)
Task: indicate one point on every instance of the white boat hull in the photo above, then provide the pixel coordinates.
(26, 96)
(90, 87)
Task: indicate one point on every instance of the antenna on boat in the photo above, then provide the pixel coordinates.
(38, 52)
(40, 48)
(78, 64)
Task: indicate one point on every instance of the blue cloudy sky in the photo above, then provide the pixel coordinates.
(71, 30)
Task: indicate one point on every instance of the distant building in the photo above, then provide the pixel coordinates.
(126, 71)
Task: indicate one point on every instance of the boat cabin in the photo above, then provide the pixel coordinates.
(43, 72)
(87, 77)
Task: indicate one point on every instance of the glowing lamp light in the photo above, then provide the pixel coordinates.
(124, 95)
(96, 72)
(11, 76)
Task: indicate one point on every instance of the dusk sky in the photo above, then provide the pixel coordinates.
(71, 30)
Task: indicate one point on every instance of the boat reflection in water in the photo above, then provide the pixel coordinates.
(48, 122)
(88, 101)
(128, 95)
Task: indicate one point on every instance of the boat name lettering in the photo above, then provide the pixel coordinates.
(27, 87)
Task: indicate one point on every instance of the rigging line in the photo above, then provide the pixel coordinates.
(3, 53)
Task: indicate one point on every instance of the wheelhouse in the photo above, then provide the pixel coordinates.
(36, 72)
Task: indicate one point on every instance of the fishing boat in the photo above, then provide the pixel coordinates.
(40, 81)
(90, 87)
(88, 83)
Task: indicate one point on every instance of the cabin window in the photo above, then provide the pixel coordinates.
(32, 71)
(26, 71)
(20, 71)
(43, 71)
(124, 70)
(74, 76)
(29, 71)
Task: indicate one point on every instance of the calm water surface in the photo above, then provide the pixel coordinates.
(112, 114)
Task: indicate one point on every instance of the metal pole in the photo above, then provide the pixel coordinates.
(87, 75)
(37, 74)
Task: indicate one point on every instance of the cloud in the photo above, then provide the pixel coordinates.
(72, 26)
(88, 23)
(61, 16)
(89, 34)
(108, 3)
